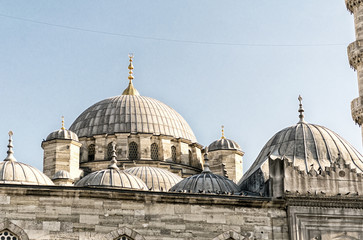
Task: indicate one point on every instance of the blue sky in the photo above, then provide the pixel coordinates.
(241, 64)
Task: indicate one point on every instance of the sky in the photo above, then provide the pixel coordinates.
(241, 64)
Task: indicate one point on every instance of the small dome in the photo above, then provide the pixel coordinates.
(112, 177)
(206, 182)
(62, 174)
(14, 172)
(156, 179)
(62, 134)
(224, 144)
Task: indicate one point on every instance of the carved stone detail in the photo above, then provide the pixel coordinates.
(353, 4)
(355, 53)
(357, 110)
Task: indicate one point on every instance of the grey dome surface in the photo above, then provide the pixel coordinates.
(206, 182)
(13, 172)
(308, 145)
(62, 134)
(224, 144)
(156, 179)
(112, 177)
(131, 114)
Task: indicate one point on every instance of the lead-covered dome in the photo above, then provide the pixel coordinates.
(224, 144)
(62, 134)
(308, 145)
(14, 172)
(156, 179)
(132, 114)
(206, 182)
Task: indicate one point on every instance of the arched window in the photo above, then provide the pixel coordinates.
(173, 153)
(91, 152)
(8, 235)
(154, 151)
(190, 157)
(109, 151)
(123, 238)
(133, 151)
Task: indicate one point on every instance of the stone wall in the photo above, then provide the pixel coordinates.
(75, 213)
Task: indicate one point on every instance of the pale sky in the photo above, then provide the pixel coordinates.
(237, 63)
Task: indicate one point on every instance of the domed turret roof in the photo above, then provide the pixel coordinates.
(13, 172)
(308, 145)
(224, 144)
(206, 182)
(112, 177)
(156, 179)
(131, 113)
(62, 134)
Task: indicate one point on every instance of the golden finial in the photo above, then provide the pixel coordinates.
(130, 90)
(63, 128)
(301, 109)
(222, 132)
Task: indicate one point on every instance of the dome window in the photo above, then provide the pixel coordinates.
(190, 157)
(7, 235)
(154, 151)
(91, 152)
(109, 151)
(173, 153)
(133, 151)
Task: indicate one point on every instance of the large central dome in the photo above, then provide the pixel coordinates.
(132, 114)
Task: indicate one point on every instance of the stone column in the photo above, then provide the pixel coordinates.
(355, 56)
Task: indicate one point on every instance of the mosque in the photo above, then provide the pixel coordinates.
(130, 168)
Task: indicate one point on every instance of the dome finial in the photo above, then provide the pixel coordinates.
(130, 90)
(10, 152)
(113, 163)
(206, 164)
(223, 132)
(301, 109)
(62, 128)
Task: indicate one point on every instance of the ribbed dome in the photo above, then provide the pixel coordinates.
(13, 172)
(224, 144)
(131, 114)
(62, 134)
(156, 179)
(307, 145)
(206, 182)
(112, 177)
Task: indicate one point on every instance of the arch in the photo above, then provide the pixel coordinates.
(91, 152)
(123, 232)
(7, 226)
(173, 153)
(232, 235)
(133, 151)
(154, 149)
(109, 150)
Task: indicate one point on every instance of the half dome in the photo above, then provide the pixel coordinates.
(156, 179)
(308, 145)
(132, 114)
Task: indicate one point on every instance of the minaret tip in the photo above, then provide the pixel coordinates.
(10, 151)
(301, 109)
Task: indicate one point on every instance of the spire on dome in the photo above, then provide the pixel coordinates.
(10, 151)
(113, 164)
(223, 133)
(62, 128)
(206, 164)
(130, 90)
(301, 109)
